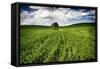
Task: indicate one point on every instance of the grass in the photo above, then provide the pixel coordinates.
(44, 44)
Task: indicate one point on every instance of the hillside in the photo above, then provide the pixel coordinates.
(45, 44)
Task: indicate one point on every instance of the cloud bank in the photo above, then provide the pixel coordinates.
(36, 15)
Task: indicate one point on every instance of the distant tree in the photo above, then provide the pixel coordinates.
(55, 24)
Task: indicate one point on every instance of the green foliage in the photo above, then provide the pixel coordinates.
(54, 25)
(44, 44)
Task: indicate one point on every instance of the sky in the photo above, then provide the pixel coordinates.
(39, 15)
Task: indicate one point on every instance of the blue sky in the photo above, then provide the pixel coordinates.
(37, 15)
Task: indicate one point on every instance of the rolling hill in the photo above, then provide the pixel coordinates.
(40, 44)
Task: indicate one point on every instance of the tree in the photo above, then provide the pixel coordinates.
(55, 24)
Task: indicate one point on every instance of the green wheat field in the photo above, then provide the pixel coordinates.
(43, 44)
